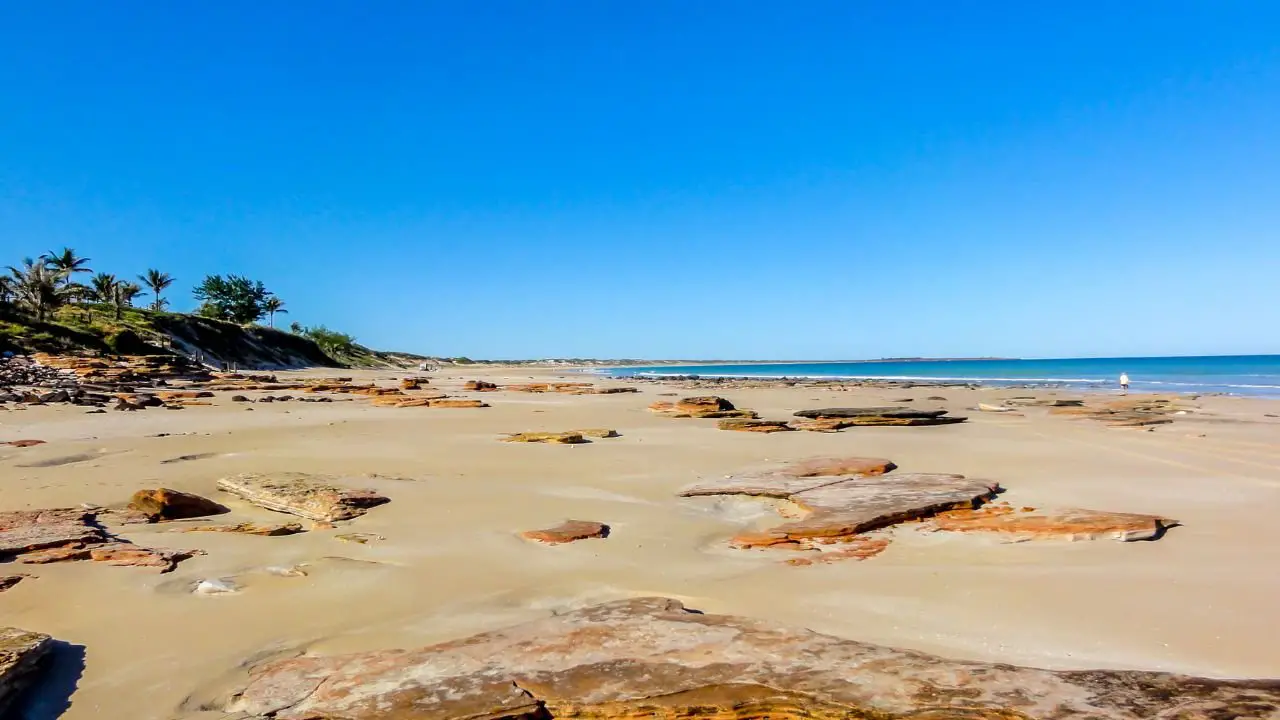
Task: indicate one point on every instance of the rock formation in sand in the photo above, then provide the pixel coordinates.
(756, 426)
(567, 532)
(458, 403)
(21, 656)
(653, 658)
(1133, 412)
(166, 504)
(66, 534)
(850, 417)
(553, 438)
(479, 386)
(314, 497)
(250, 528)
(704, 406)
(1073, 524)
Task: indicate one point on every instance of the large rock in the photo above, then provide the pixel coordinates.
(314, 497)
(568, 531)
(652, 658)
(838, 508)
(166, 504)
(704, 406)
(1031, 524)
(21, 653)
(250, 528)
(24, 531)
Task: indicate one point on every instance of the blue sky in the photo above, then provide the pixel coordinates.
(818, 180)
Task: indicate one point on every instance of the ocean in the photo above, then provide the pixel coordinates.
(1251, 375)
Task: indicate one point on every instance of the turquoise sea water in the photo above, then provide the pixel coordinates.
(1255, 375)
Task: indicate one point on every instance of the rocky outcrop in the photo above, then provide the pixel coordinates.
(24, 531)
(23, 443)
(21, 656)
(852, 506)
(568, 531)
(704, 406)
(756, 426)
(555, 438)
(830, 419)
(1030, 524)
(166, 504)
(829, 466)
(479, 386)
(64, 534)
(413, 383)
(653, 658)
(314, 497)
(1138, 411)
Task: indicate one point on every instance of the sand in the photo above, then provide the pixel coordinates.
(450, 562)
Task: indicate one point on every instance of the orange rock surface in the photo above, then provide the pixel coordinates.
(653, 658)
(568, 531)
(1056, 524)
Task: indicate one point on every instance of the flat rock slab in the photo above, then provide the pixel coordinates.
(786, 479)
(20, 654)
(568, 531)
(554, 438)
(861, 504)
(757, 426)
(1056, 524)
(24, 531)
(315, 497)
(838, 508)
(650, 657)
(884, 412)
(249, 528)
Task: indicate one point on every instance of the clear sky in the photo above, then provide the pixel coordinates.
(819, 180)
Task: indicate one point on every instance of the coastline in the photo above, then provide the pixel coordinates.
(460, 498)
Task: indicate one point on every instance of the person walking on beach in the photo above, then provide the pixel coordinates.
(1124, 383)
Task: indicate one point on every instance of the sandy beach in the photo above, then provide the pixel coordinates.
(447, 560)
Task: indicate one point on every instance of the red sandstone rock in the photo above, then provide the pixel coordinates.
(568, 531)
(166, 504)
(24, 531)
(828, 466)
(652, 658)
(554, 438)
(24, 443)
(1056, 524)
(479, 386)
(137, 556)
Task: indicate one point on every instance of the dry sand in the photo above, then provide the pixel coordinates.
(1201, 600)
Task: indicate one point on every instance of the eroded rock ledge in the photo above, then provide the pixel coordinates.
(653, 658)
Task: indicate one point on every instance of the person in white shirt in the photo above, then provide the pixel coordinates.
(1124, 383)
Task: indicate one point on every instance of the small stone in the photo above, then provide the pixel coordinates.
(568, 531)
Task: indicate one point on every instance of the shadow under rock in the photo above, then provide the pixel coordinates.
(50, 696)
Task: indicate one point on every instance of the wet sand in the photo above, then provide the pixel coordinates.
(1200, 600)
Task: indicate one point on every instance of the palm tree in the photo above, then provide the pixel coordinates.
(273, 305)
(38, 288)
(122, 295)
(157, 281)
(102, 287)
(67, 262)
(7, 290)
